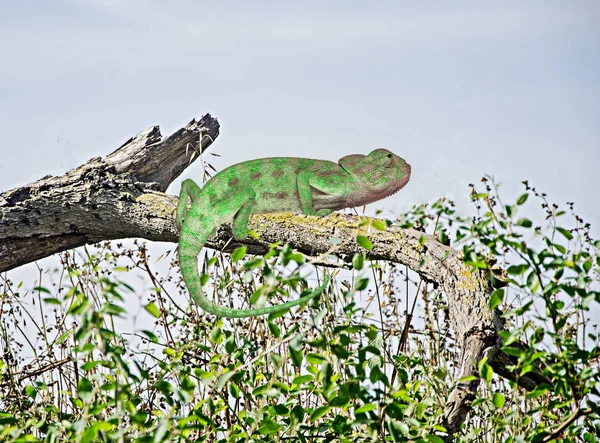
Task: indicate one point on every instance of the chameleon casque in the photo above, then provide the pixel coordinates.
(278, 184)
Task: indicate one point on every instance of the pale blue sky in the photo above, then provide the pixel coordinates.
(459, 89)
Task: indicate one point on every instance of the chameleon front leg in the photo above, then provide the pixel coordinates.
(242, 216)
(306, 197)
(189, 191)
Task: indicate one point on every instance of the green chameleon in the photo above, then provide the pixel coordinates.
(280, 184)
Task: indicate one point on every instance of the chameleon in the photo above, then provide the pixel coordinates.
(277, 184)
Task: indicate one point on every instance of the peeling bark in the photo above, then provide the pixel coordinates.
(121, 196)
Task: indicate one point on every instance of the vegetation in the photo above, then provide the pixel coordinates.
(337, 370)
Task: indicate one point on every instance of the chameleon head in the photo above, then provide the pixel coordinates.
(382, 172)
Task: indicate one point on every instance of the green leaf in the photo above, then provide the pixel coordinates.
(31, 391)
(364, 242)
(524, 222)
(89, 365)
(63, 337)
(522, 199)
(151, 335)
(365, 408)
(41, 289)
(281, 409)
(152, 310)
(567, 234)
(319, 412)
(112, 309)
(275, 330)
(498, 399)
(380, 225)
(234, 391)
(52, 301)
(223, 379)
(361, 284)
(301, 379)
(314, 359)
(253, 264)
(496, 298)
(85, 389)
(340, 401)
(295, 350)
(358, 261)
(538, 391)
(485, 371)
(238, 254)
(517, 269)
(443, 238)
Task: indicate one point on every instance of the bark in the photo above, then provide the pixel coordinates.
(121, 196)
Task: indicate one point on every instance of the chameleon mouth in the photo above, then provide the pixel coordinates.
(380, 194)
(405, 169)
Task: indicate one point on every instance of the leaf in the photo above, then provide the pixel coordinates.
(31, 391)
(275, 330)
(361, 284)
(517, 269)
(281, 409)
(253, 264)
(234, 391)
(486, 371)
(152, 310)
(295, 350)
(443, 238)
(238, 254)
(496, 298)
(42, 289)
(524, 222)
(301, 379)
(64, 336)
(319, 412)
(365, 408)
(498, 400)
(52, 301)
(223, 379)
(314, 359)
(364, 242)
(340, 401)
(151, 335)
(566, 233)
(358, 261)
(522, 199)
(380, 225)
(85, 389)
(540, 390)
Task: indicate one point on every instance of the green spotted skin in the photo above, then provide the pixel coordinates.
(279, 184)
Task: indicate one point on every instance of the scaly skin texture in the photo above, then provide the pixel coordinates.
(280, 184)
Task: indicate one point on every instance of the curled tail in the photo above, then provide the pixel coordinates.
(190, 245)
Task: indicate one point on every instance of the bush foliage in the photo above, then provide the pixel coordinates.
(76, 367)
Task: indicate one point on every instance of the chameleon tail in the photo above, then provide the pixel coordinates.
(189, 248)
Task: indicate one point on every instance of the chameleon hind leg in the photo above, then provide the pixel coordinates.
(189, 191)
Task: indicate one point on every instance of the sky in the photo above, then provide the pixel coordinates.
(459, 89)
